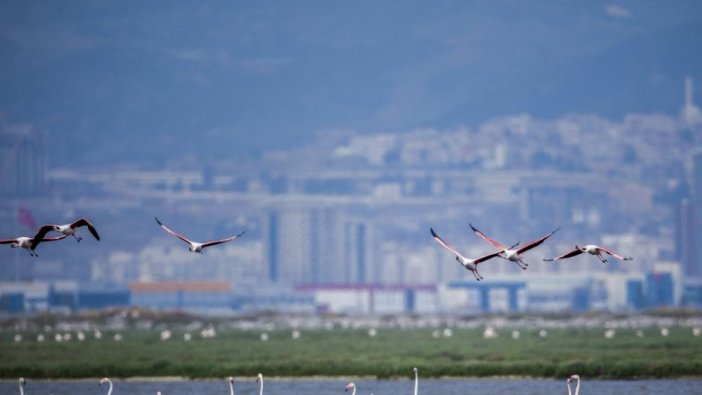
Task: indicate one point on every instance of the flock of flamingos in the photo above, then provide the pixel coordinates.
(349, 387)
(512, 254)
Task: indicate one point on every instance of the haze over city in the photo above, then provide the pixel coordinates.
(335, 135)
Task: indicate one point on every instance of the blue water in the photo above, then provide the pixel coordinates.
(365, 387)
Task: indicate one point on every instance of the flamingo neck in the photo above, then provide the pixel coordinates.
(416, 383)
(109, 390)
(231, 388)
(577, 386)
(21, 389)
(260, 387)
(568, 384)
(354, 390)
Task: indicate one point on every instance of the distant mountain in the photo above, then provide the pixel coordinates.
(120, 83)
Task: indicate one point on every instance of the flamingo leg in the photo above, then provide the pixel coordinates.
(602, 259)
(475, 273)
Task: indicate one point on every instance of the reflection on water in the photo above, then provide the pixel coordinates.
(377, 387)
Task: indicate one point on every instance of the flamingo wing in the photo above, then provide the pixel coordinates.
(86, 222)
(569, 254)
(489, 240)
(488, 256)
(41, 232)
(54, 238)
(164, 227)
(614, 254)
(528, 246)
(215, 242)
(443, 243)
(8, 241)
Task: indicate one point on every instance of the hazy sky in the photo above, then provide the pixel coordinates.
(112, 82)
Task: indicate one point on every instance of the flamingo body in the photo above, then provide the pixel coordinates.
(514, 254)
(28, 242)
(591, 249)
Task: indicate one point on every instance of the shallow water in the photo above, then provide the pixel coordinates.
(378, 387)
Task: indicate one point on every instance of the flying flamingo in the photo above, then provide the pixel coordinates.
(27, 242)
(259, 380)
(577, 386)
(469, 264)
(231, 385)
(592, 250)
(106, 380)
(66, 229)
(512, 254)
(416, 381)
(22, 383)
(195, 246)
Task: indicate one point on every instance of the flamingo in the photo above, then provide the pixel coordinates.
(592, 250)
(66, 229)
(512, 254)
(106, 380)
(416, 381)
(577, 386)
(22, 383)
(259, 380)
(195, 246)
(231, 385)
(27, 242)
(469, 264)
(350, 386)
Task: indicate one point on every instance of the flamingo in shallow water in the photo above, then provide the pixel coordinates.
(577, 386)
(66, 229)
(514, 254)
(592, 250)
(259, 380)
(106, 380)
(469, 264)
(27, 242)
(195, 246)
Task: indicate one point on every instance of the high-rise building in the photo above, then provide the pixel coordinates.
(22, 160)
(686, 238)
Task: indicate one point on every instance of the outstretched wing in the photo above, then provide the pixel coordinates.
(575, 251)
(54, 238)
(614, 254)
(528, 246)
(488, 256)
(489, 240)
(39, 236)
(164, 227)
(443, 243)
(86, 222)
(8, 241)
(215, 242)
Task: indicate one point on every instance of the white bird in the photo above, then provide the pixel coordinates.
(28, 242)
(416, 381)
(106, 380)
(66, 229)
(469, 264)
(350, 386)
(259, 380)
(195, 246)
(592, 250)
(22, 383)
(231, 385)
(577, 386)
(513, 254)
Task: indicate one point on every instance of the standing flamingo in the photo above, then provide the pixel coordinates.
(577, 386)
(21, 385)
(469, 264)
(592, 250)
(106, 380)
(231, 385)
(416, 381)
(259, 380)
(195, 246)
(511, 254)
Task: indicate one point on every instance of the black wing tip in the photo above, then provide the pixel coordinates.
(242, 232)
(473, 227)
(432, 232)
(157, 221)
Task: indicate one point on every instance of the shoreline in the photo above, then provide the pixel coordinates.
(337, 378)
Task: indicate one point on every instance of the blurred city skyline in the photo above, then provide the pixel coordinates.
(336, 135)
